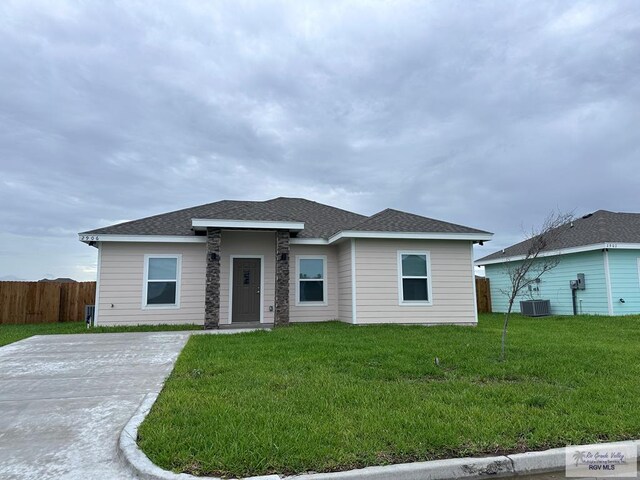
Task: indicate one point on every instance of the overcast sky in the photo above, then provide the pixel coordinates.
(488, 114)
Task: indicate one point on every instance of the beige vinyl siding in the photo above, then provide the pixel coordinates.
(345, 306)
(451, 280)
(248, 243)
(314, 313)
(122, 281)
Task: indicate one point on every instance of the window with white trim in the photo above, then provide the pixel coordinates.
(162, 281)
(414, 279)
(312, 280)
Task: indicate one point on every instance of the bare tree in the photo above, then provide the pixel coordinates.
(535, 262)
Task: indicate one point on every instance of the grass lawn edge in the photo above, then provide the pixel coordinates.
(522, 463)
(11, 333)
(530, 381)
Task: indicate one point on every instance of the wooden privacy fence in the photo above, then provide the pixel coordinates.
(45, 302)
(483, 295)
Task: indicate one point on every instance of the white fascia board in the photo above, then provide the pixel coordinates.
(141, 238)
(565, 251)
(308, 241)
(254, 224)
(622, 246)
(475, 237)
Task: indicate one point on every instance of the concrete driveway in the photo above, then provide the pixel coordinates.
(65, 398)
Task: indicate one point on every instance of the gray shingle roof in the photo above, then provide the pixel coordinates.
(599, 227)
(390, 220)
(321, 221)
(172, 223)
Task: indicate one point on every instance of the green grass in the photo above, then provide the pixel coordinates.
(13, 333)
(331, 396)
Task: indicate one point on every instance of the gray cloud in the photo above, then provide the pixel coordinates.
(489, 114)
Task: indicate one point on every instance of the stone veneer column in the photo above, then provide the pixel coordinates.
(282, 278)
(212, 291)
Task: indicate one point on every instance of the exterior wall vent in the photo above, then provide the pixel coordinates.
(535, 308)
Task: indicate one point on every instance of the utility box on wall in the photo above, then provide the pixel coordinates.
(581, 284)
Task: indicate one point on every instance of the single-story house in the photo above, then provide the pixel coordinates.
(284, 260)
(601, 249)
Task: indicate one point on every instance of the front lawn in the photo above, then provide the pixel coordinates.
(13, 333)
(331, 396)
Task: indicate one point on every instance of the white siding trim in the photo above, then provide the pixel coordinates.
(259, 224)
(354, 303)
(407, 303)
(473, 279)
(412, 235)
(325, 302)
(308, 241)
(231, 258)
(142, 238)
(97, 300)
(607, 278)
(145, 279)
(295, 226)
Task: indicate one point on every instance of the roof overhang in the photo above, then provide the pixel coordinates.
(203, 223)
(473, 237)
(564, 251)
(93, 238)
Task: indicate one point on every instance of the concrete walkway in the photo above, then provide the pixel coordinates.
(65, 398)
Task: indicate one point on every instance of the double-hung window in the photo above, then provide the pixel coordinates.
(414, 278)
(312, 280)
(161, 281)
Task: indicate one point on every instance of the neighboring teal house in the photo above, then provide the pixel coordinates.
(604, 246)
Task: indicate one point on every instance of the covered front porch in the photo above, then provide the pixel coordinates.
(247, 277)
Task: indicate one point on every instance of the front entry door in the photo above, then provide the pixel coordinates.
(246, 290)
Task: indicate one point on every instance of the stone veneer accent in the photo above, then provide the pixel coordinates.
(282, 278)
(212, 291)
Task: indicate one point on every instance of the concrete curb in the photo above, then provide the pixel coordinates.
(529, 463)
(469, 468)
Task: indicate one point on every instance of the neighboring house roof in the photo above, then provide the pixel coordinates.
(320, 221)
(592, 230)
